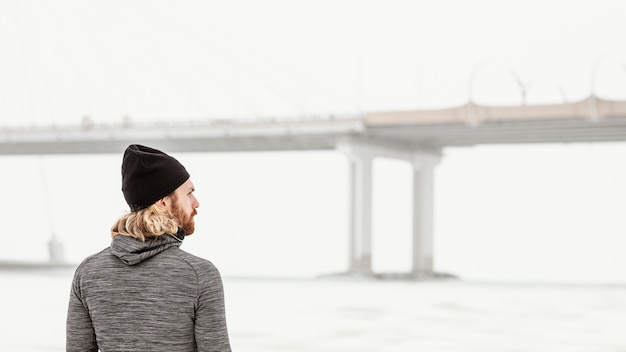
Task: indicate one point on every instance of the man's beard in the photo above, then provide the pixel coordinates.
(184, 220)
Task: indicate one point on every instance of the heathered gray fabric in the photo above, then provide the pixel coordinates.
(146, 296)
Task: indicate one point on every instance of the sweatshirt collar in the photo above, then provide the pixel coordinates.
(132, 251)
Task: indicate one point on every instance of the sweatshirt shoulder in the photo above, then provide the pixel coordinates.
(92, 259)
(200, 265)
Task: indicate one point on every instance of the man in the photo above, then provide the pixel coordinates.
(143, 293)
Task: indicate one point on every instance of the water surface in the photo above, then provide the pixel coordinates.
(352, 315)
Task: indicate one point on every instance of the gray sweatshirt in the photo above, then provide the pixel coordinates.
(146, 296)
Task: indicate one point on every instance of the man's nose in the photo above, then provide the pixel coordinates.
(195, 202)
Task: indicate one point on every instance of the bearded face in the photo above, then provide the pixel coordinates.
(183, 216)
(181, 205)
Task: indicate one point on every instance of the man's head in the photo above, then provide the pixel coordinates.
(148, 175)
(156, 183)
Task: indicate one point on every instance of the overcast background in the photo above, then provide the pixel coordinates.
(507, 213)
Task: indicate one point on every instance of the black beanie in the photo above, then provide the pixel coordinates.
(149, 175)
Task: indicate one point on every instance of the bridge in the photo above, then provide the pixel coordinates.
(417, 137)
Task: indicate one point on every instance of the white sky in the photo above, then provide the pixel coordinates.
(207, 59)
(513, 212)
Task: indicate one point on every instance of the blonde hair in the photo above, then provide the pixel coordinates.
(152, 221)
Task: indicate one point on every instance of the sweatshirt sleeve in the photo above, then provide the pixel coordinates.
(210, 329)
(80, 335)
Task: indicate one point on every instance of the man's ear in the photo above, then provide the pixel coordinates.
(162, 203)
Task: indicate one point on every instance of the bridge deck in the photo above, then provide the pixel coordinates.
(590, 120)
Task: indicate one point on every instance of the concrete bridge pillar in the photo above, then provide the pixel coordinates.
(423, 215)
(360, 209)
(361, 156)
